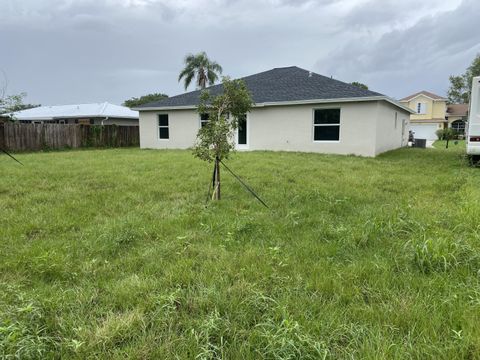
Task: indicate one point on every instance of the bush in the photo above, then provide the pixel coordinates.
(440, 133)
(446, 134)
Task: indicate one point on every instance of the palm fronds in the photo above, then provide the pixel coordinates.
(199, 66)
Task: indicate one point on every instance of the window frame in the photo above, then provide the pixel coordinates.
(200, 121)
(247, 135)
(163, 126)
(421, 106)
(339, 124)
(459, 129)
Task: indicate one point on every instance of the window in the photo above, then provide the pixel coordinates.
(326, 125)
(84, 121)
(421, 108)
(396, 118)
(458, 126)
(163, 132)
(204, 119)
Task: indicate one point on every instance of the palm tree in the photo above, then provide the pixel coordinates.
(201, 67)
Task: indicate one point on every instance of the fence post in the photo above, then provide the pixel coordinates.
(2, 135)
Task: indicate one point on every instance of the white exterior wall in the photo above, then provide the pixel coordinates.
(183, 128)
(365, 129)
(290, 128)
(389, 136)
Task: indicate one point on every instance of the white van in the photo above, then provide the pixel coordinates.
(473, 133)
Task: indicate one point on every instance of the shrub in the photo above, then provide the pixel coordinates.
(440, 133)
(446, 134)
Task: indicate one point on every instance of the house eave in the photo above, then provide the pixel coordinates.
(414, 97)
(296, 102)
(51, 118)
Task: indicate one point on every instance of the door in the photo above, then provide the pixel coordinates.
(242, 133)
(424, 131)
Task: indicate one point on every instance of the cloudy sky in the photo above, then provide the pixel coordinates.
(74, 51)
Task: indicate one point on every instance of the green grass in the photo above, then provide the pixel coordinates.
(453, 144)
(112, 254)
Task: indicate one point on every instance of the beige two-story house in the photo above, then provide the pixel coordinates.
(430, 114)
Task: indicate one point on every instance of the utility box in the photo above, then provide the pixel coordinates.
(421, 143)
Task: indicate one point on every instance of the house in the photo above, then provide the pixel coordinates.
(429, 114)
(93, 114)
(457, 116)
(433, 113)
(294, 110)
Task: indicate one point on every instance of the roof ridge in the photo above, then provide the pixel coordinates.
(103, 107)
(290, 83)
(86, 103)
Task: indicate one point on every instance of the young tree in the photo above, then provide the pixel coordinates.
(461, 85)
(360, 85)
(201, 67)
(11, 103)
(215, 140)
(135, 101)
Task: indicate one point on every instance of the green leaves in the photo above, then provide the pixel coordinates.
(360, 85)
(135, 101)
(457, 93)
(12, 103)
(215, 140)
(461, 85)
(201, 67)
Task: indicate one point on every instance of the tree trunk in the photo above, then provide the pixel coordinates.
(446, 147)
(217, 179)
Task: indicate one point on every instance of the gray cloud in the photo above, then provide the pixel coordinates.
(68, 51)
(417, 57)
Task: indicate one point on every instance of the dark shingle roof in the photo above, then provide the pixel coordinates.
(276, 85)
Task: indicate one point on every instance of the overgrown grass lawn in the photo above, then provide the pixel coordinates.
(113, 254)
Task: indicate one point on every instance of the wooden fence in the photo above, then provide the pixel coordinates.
(35, 137)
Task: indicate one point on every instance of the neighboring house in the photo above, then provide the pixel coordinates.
(294, 110)
(94, 114)
(457, 117)
(429, 114)
(432, 113)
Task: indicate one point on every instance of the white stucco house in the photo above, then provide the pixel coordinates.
(295, 110)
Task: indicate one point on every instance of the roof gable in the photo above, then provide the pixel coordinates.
(426, 94)
(288, 84)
